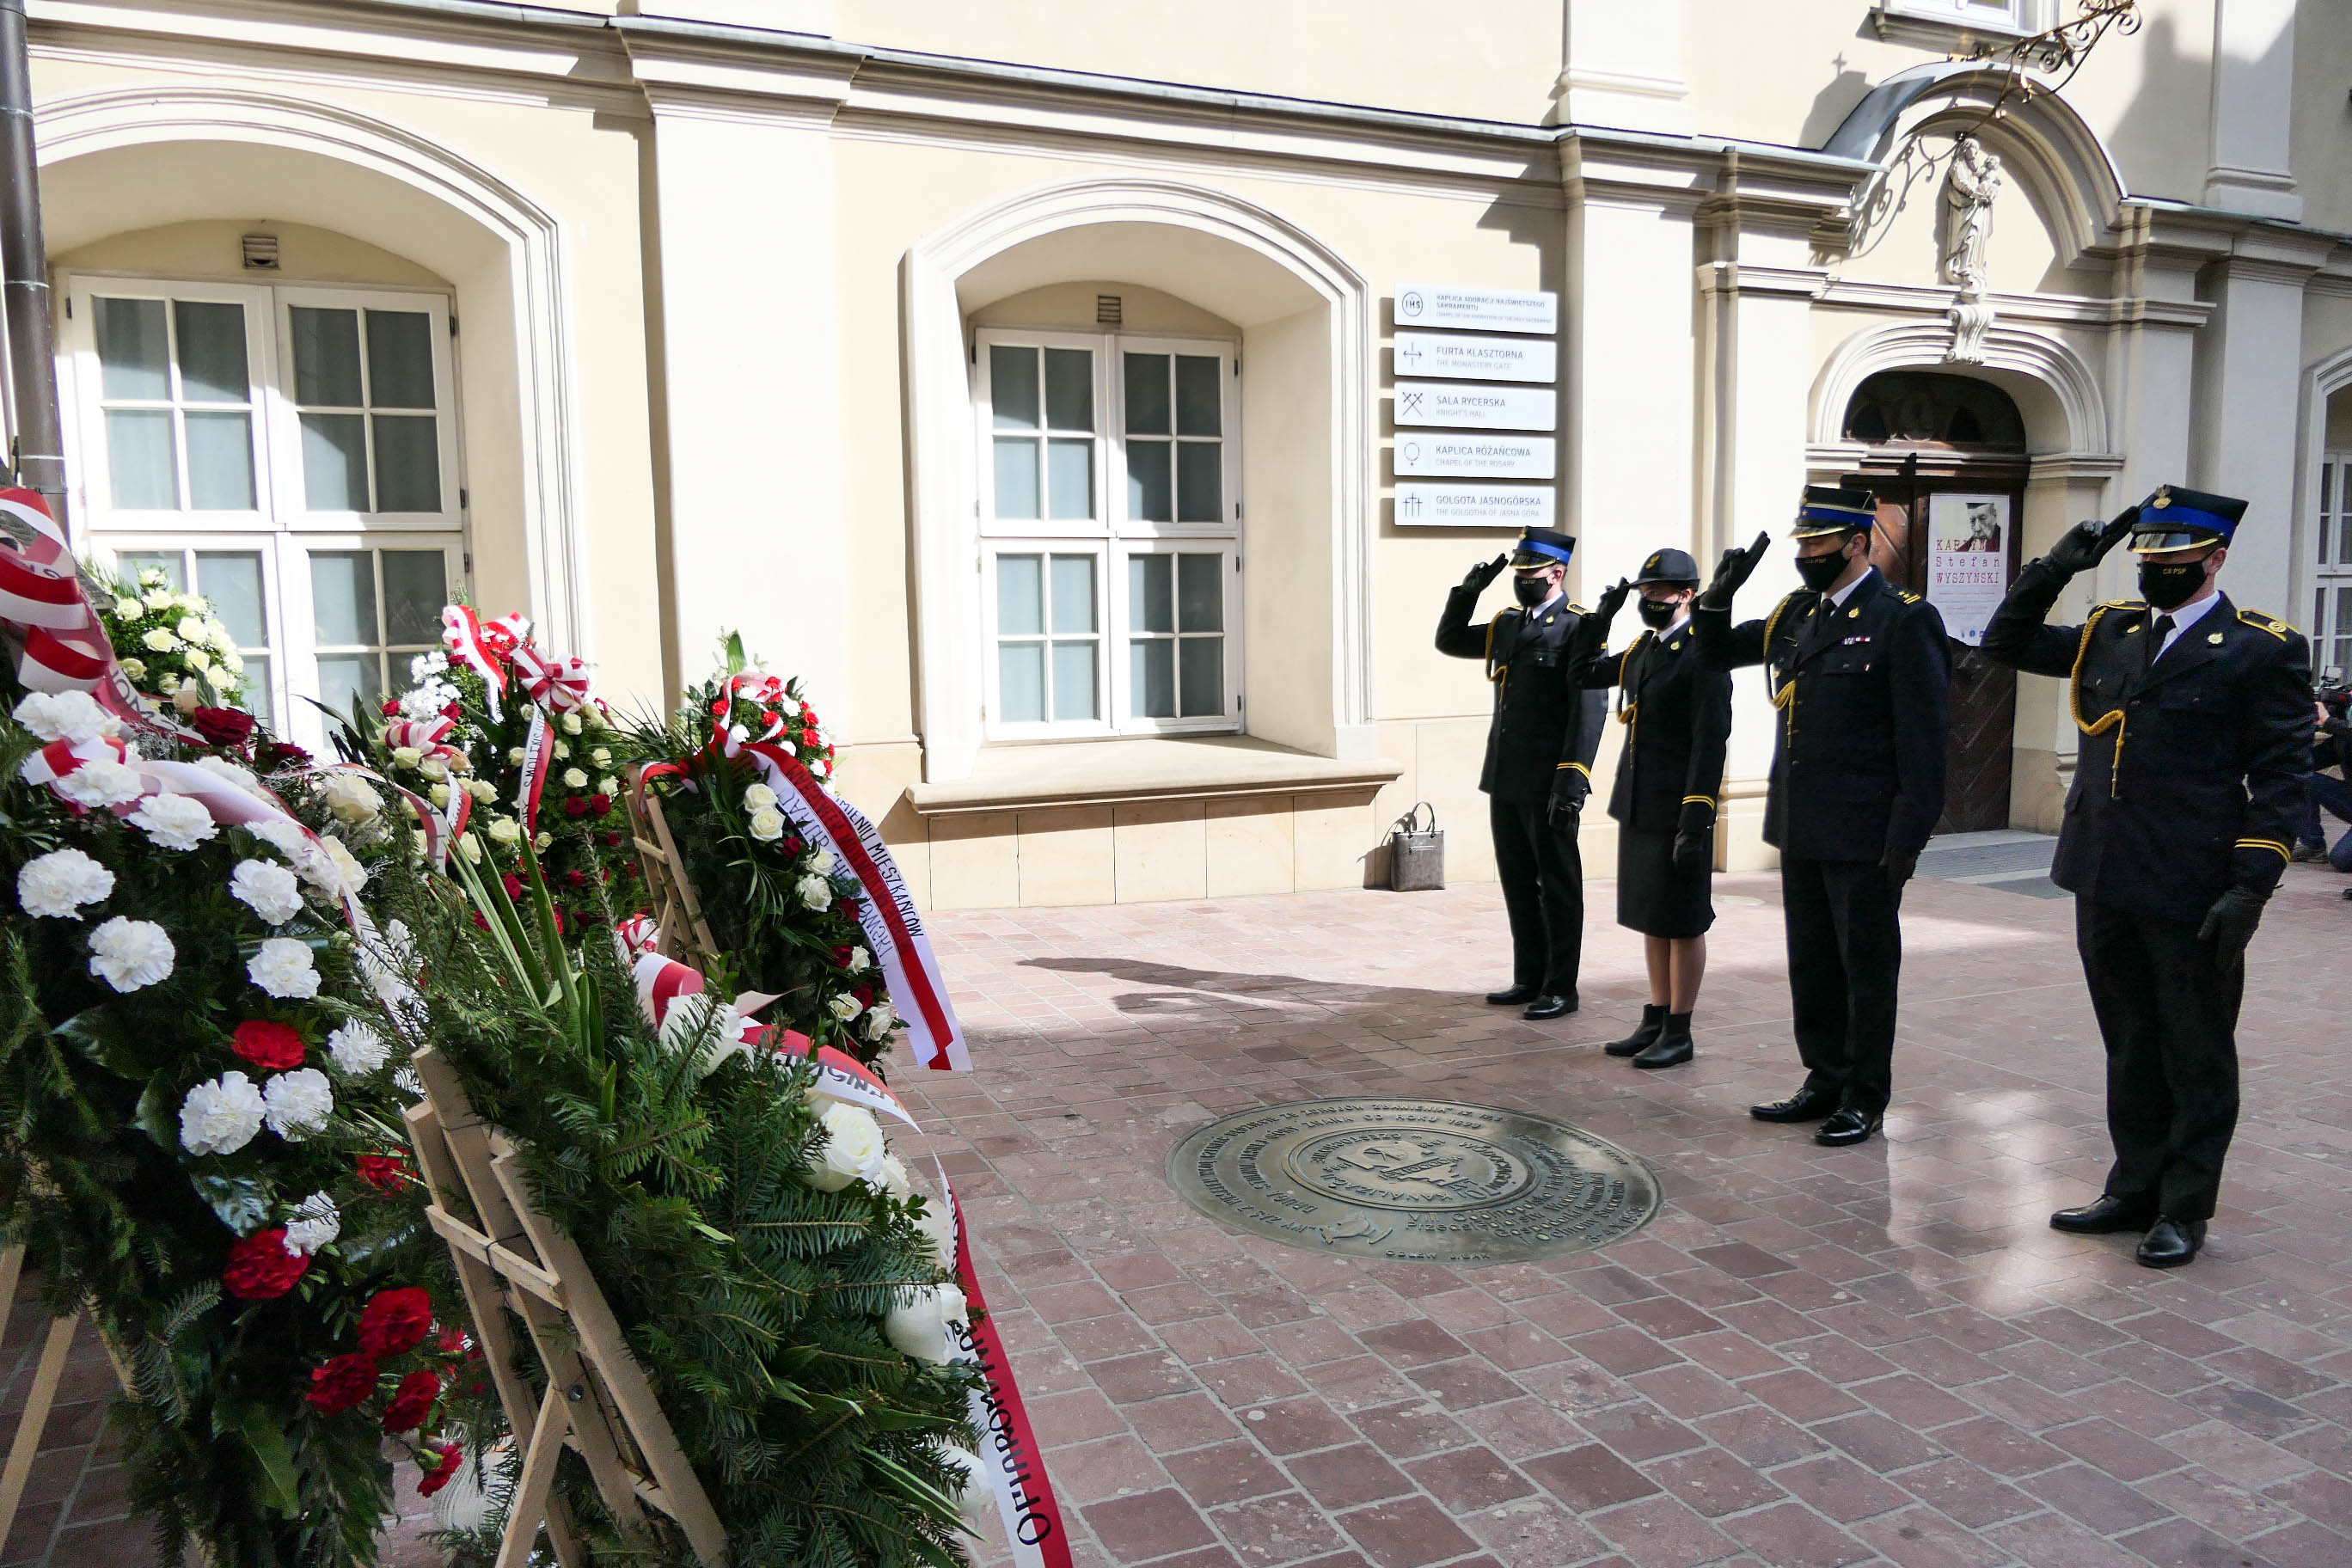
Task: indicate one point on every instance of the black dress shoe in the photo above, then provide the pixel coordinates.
(1550, 1007)
(1805, 1105)
(1645, 1035)
(2108, 1215)
(1513, 997)
(2170, 1243)
(1848, 1127)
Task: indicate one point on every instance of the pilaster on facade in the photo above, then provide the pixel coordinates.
(2251, 111)
(1622, 67)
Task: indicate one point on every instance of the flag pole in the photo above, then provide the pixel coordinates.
(39, 458)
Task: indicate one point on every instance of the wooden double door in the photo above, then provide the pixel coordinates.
(1984, 694)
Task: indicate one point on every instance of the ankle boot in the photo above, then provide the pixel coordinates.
(1653, 1018)
(1673, 1046)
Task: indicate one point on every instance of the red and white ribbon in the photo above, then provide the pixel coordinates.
(63, 759)
(662, 981)
(62, 645)
(638, 935)
(538, 751)
(484, 649)
(886, 914)
(558, 685)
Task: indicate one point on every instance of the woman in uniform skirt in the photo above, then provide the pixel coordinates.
(1677, 719)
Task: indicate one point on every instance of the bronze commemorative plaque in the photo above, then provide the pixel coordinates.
(1425, 1180)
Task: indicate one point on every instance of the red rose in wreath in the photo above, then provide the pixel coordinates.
(411, 1402)
(385, 1172)
(275, 1047)
(341, 1384)
(396, 1321)
(443, 1470)
(261, 1269)
(223, 726)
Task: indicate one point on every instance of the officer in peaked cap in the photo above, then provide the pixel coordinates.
(1538, 767)
(2196, 734)
(1676, 715)
(1861, 675)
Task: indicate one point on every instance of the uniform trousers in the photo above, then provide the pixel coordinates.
(1542, 873)
(1845, 956)
(2169, 1016)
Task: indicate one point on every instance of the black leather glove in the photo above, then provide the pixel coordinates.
(1899, 869)
(1486, 572)
(1695, 838)
(1613, 599)
(2086, 545)
(2230, 925)
(1735, 567)
(1568, 789)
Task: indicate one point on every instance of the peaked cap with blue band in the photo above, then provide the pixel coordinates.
(2176, 518)
(1543, 547)
(1834, 509)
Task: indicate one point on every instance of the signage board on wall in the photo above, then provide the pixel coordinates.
(1474, 506)
(1967, 560)
(1471, 358)
(1476, 407)
(1428, 454)
(1476, 310)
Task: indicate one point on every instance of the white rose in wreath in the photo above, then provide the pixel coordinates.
(574, 779)
(297, 1104)
(925, 1328)
(131, 955)
(895, 1179)
(349, 797)
(57, 884)
(198, 659)
(358, 1048)
(128, 607)
(220, 1117)
(174, 821)
(101, 782)
(407, 756)
(159, 640)
(816, 892)
(506, 830)
(852, 1152)
(267, 889)
(284, 969)
(859, 959)
(160, 599)
(843, 1008)
(514, 757)
(937, 1225)
(972, 1494)
(878, 1020)
(821, 863)
(316, 1223)
(758, 798)
(767, 823)
(333, 870)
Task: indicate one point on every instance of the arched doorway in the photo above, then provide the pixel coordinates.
(1947, 459)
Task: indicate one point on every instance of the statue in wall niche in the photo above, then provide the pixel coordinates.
(1970, 187)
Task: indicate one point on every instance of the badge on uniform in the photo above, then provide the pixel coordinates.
(2215, 639)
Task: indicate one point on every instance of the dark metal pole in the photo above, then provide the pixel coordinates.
(25, 276)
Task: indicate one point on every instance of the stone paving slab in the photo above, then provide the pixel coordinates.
(1879, 1354)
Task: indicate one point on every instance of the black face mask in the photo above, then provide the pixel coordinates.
(1657, 614)
(1531, 590)
(1820, 570)
(2172, 584)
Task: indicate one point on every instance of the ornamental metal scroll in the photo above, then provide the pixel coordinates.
(512, 1257)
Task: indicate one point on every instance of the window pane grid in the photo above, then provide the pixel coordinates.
(361, 375)
(1155, 418)
(157, 357)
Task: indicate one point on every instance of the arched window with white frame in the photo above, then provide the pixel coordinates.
(291, 453)
(1111, 533)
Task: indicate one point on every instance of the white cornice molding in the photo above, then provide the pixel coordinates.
(2059, 309)
(2026, 356)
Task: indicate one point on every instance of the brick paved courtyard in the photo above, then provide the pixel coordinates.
(1810, 1356)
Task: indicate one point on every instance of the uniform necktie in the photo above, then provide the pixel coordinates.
(2156, 635)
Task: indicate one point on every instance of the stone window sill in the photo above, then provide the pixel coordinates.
(1130, 771)
(1944, 34)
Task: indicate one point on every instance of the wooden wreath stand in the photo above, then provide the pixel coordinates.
(41, 1399)
(512, 1257)
(677, 914)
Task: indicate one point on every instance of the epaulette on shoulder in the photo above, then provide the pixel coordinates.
(2269, 623)
(2125, 605)
(1576, 609)
(1906, 595)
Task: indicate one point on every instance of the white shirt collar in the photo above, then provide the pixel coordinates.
(1544, 608)
(2186, 616)
(1837, 600)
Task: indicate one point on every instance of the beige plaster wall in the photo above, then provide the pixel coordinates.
(1495, 61)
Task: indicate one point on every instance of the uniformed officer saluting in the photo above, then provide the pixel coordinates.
(1677, 716)
(2196, 722)
(1862, 677)
(1539, 766)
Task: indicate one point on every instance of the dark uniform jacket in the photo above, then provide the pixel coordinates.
(2189, 775)
(1864, 695)
(1541, 724)
(1677, 719)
